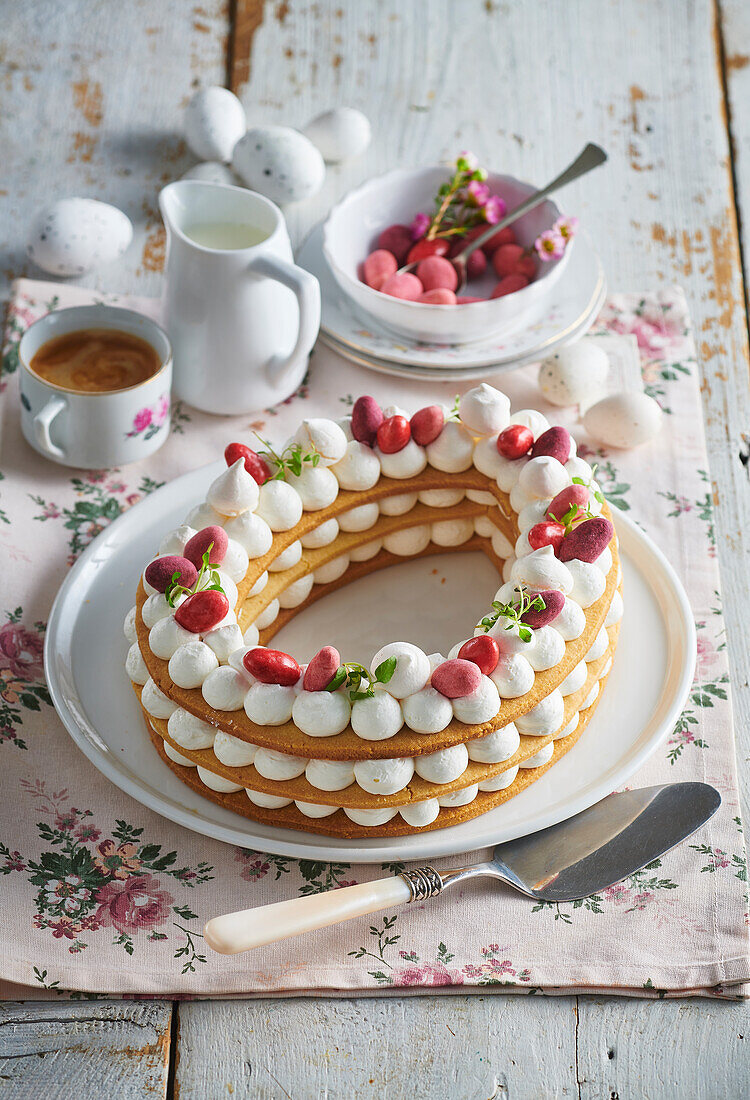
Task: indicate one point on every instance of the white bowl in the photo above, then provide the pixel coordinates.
(351, 232)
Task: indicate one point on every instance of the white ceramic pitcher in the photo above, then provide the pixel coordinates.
(242, 321)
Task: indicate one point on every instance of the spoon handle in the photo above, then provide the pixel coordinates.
(591, 157)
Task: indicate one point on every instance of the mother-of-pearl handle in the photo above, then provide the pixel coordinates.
(235, 932)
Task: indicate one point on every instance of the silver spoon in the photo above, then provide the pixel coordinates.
(572, 860)
(591, 157)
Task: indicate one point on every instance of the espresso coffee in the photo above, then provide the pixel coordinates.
(95, 361)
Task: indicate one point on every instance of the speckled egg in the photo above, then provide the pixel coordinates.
(339, 134)
(624, 419)
(212, 171)
(279, 162)
(214, 123)
(73, 236)
(574, 374)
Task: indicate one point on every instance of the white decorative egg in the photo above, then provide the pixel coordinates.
(214, 123)
(73, 236)
(574, 374)
(212, 171)
(340, 134)
(624, 419)
(279, 162)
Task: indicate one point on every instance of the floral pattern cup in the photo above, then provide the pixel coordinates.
(95, 430)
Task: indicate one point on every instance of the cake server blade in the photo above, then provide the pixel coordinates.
(574, 859)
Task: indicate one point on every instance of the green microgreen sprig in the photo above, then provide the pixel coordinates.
(597, 494)
(453, 217)
(454, 414)
(573, 515)
(514, 612)
(352, 676)
(290, 460)
(208, 581)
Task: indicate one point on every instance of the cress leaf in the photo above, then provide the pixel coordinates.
(384, 672)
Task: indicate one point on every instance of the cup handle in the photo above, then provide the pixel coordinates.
(306, 289)
(42, 422)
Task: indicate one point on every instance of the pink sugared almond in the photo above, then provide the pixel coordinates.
(554, 602)
(509, 284)
(483, 651)
(586, 541)
(435, 272)
(256, 466)
(466, 300)
(272, 666)
(503, 236)
(456, 678)
(566, 499)
(393, 434)
(427, 424)
(406, 286)
(422, 249)
(440, 296)
(555, 442)
(322, 669)
(197, 546)
(367, 416)
(515, 441)
(378, 267)
(512, 259)
(202, 611)
(546, 533)
(398, 240)
(159, 572)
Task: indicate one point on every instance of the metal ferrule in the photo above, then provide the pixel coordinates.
(424, 882)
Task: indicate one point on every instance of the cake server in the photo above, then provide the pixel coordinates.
(572, 860)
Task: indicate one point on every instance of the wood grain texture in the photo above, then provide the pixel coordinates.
(84, 1049)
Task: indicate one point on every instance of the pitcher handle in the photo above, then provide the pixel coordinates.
(42, 422)
(306, 289)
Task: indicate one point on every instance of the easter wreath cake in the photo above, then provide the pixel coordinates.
(415, 741)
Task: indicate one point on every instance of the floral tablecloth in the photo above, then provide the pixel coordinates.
(102, 896)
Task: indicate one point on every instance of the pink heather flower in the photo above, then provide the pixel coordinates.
(141, 420)
(494, 209)
(566, 227)
(471, 159)
(419, 226)
(550, 245)
(477, 193)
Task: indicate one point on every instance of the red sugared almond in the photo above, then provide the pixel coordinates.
(196, 547)
(271, 666)
(422, 249)
(367, 416)
(554, 602)
(202, 611)
(159, 573)
(509, 284)
(546, 533)
(554, 442)
(476, 265)
(378, 267)
(456, 678)
(515, 441)
(257, 467)
(427, 424)
(322, 669)
(586, 541)
(506, 259)
(436, 272)
(565, 499)
(398, 240)
(467, 299)
(483, 651)
(393, 434)
(503, 236)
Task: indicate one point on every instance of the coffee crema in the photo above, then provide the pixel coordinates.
(96, 361)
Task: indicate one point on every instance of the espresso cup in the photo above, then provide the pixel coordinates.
(95, 430)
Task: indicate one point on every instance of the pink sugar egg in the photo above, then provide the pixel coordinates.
(437, 273)
(586, 541)
(554, 442)
(367, 416)
(214, 537)
(509, 285)
(159, 572)
(405, 286)
(456, 678)
(440, 296)
(378, 267)
(427, 424)
(322, 669)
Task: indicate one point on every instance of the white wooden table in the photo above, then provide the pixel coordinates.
(91, 96)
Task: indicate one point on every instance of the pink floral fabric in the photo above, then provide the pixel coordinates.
(108, 898)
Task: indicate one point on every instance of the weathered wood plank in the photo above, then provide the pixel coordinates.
(92, 105)
(84, 1049)
(657, 1050)
(467, 1048)
(735, 28)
